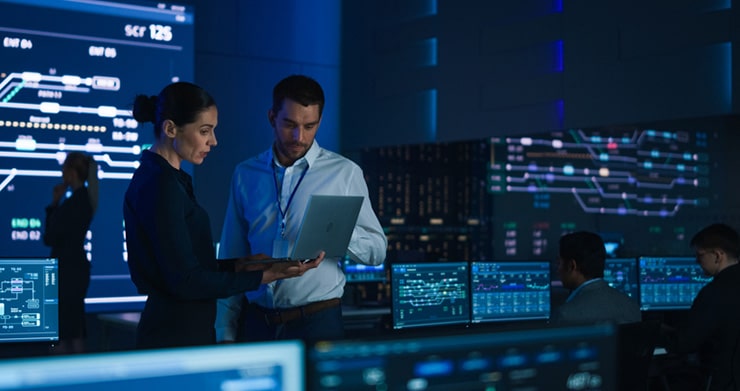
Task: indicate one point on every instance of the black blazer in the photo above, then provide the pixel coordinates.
(172, 259)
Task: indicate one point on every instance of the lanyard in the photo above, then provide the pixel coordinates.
(284, 213)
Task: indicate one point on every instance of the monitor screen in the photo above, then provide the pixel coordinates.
(29, 305)
(358, 272)
(69, 74)
(569, 358)
(621, 274)
(266, 366)
(430, 294)
(506, 291)
(669, 283)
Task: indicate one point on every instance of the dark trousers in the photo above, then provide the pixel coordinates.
(326, 324)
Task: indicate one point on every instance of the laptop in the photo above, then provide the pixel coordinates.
(327, 226)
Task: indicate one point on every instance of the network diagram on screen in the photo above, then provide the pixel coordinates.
(635, 173)
(644, 188)
(642, 183)
(69, 74)
(430, 293)
(29, 304)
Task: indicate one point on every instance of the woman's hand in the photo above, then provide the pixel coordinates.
(281, 270)
(57, 193)
(245, 264)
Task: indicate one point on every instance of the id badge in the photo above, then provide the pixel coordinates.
(280, 248)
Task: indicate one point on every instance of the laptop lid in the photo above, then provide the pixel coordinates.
(327, 226)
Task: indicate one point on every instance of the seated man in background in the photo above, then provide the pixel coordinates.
(581, 267)
(712, 327)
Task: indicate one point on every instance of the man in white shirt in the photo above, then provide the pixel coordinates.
(269, 195)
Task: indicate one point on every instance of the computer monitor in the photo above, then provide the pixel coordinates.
(430, 294)
(553, 358)
(29, 300)
(621, 274)
(265, 366)
(358, 273)
(669, 283)
(510, 291)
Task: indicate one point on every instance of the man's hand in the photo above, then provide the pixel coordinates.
(281, 270)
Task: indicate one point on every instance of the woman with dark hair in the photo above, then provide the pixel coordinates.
(171, 255)
(67, 223)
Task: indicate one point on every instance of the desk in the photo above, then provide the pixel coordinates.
(677, 372)
(121, 321)
(362, 321)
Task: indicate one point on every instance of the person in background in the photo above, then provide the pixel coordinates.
(171, 255)
(711, 328)
(269, 196)
(581, 261)
(66, 226)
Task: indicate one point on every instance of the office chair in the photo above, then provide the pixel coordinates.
(635, 352)
(689, 374)
(686, 374)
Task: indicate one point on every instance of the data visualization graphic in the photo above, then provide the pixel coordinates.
(621, 274)
(29, 300)
(636, 173)
(356, 272)
(69, 73)
(669, 283)
(506, 291)
(430, 294)
(645, 189)
(643, 183)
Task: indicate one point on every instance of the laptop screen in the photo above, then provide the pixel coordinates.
(29, 306)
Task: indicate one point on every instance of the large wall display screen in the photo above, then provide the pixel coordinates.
(69, 72)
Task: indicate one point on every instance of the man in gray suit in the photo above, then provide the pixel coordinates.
(581, 268)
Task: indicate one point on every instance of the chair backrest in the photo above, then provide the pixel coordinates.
(636, 344)
(735, 365)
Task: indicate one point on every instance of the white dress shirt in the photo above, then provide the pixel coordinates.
(252, 224)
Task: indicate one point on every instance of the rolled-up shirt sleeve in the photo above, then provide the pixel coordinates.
(369, 243)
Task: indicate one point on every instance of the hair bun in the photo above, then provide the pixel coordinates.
(145, 108)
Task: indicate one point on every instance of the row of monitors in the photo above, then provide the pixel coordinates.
(423, 294)
(564, 358)
(449, 293)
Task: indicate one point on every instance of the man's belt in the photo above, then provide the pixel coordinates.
(275, 316)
